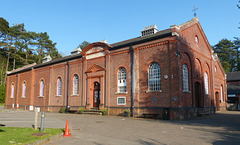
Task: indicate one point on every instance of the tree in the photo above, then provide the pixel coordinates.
(83, 44)
(227, 54)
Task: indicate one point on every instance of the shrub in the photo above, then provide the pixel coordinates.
(81, 110)
(127, 113)
(63, 110)
(104, 111)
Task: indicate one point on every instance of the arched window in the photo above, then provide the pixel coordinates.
(222, 99)
(59, 86)
(154, 77)
(206, 82)
(185, 78)
(41, 88)
(24, 89)
(12, 91)
(122, 80)
(75, 84)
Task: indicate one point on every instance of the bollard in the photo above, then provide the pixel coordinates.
(36, 115)
(42, 121)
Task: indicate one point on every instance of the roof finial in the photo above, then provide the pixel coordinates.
(195, 11)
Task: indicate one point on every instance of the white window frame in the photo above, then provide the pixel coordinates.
(122, 80)
(154, 77)
(59, 86)
(24, 86)
(185, 78)
(121, 98)
(75, 85)
(41, 91)
(12, 91)
(206, 83)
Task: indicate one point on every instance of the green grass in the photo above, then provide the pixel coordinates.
(17, 135)
(2, 104)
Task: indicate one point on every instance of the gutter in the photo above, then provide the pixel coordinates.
(67, 85)
(132, 83)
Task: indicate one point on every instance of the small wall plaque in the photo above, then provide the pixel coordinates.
(174, 98)
(165, 76)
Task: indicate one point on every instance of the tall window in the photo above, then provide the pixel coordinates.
(154, 77)
(185, 78)
(206, 82)
(59, 86)
(75, 84)
(122, 80)
(12, 91)
(222, 99)
(24, 89)
(41, 88)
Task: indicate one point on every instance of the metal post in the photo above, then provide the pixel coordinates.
(36, 115)
(42, 121)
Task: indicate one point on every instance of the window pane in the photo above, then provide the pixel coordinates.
(185, 78)
(12, 92)
(154, 77)
(41, 88)
(121, 100)
(206, 82)
(75, 84)
(59, 86)
(24, 89)
(122, 80)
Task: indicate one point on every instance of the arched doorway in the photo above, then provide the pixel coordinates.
(96, 95)
(217, 101)
(199, 102)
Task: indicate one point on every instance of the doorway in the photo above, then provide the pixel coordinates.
(199, 102)
(96, 95)
(217, 101)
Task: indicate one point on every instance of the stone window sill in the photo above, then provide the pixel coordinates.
(40, 96)
(119, 93)
(74, 95)
(154, 91)
(23, 97)
(58, 96)
(186, 91)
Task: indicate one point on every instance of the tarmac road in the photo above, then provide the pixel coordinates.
(222, 128)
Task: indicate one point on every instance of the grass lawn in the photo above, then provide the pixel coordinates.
(2, 104)
(17, 135)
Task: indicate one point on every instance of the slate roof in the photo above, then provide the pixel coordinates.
(233, 76)
(233, 89)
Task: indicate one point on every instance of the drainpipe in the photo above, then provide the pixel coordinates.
(67, 84)
(132, 84)
(16, 90)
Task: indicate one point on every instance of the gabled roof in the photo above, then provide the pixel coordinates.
(233, 76)
(232, 89)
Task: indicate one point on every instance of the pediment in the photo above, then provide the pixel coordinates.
(96, 47)
(95, 68)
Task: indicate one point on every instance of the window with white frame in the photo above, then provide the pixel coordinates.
(122, 80)
(24, 89)
(206, 82)
(121, 100)
(154, 77)
(222, 99)
(75, 84)
(59, 86)
(12, 91)
(185, 78)
(41, 88)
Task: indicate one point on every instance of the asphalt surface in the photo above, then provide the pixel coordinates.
(222, 128)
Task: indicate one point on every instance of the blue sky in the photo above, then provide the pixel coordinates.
(69, 22)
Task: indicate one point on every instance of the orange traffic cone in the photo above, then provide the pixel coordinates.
(12, 105)
(66, 134)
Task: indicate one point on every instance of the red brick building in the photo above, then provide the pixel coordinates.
(173, 71)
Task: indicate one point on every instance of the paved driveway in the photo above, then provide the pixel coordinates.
(220, 129)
